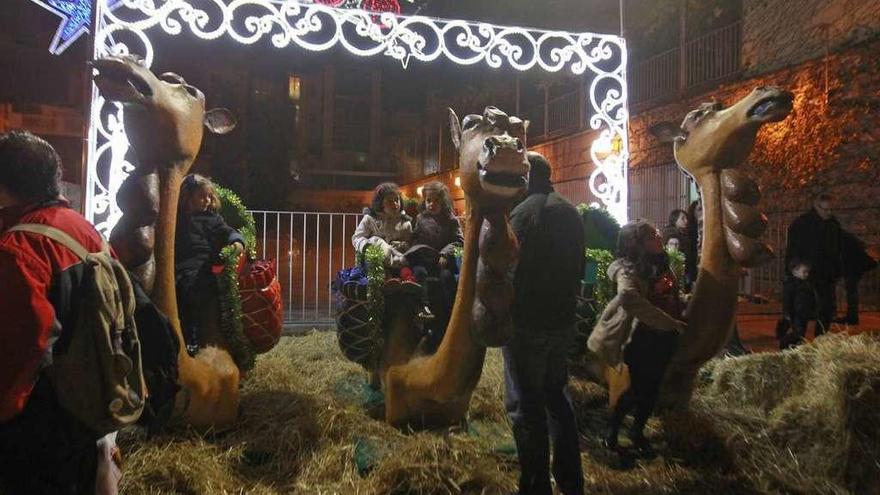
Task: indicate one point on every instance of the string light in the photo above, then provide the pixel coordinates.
(322, 26)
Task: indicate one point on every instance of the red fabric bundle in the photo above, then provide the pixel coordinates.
(260, 304)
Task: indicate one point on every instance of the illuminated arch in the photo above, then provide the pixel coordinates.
(289, 23)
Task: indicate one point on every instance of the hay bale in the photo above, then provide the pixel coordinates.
(306, 428)
(303, 416)
(806, 420)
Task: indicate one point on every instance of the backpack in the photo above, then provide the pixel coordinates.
(98, 376)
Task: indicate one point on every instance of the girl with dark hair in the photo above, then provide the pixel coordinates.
(679, 227)
(438, 233)
(647, 292)
(385, 225)
(695, 235)
(201, 235)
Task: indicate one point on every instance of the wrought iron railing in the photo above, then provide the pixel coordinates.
(708, 58)
(310, 247)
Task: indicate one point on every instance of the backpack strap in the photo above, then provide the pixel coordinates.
(58, 236)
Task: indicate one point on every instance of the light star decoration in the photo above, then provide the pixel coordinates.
(76, 16)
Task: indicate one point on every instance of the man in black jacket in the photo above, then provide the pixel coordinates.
(814, 238)
(855, 262)
(546, 282)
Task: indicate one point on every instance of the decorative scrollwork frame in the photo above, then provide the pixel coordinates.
(124, 28)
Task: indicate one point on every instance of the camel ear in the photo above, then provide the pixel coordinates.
(455, 129)
(667, 132)
(220, 120)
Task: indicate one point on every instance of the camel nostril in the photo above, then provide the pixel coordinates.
(490, 145)
(520, 147)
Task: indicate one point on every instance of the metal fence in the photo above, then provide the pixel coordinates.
(766, 280)
(708, 58)
(309, 247)
(655, 77)
(655, 191)
(714, 55)
(561, 115)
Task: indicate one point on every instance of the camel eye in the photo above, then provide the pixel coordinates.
(171, 78)
(193, 91)
(471, 121)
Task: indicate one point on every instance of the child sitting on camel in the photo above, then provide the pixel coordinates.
(437, 233)
(201, 235)
(386, 226)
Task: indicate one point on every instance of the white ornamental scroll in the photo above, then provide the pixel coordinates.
(127, 28)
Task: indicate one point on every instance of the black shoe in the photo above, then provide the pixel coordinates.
(609, 441)
(425, 314)
(643, 448)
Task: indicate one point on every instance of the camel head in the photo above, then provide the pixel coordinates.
(163, 115)
(709, 145)
(712, 137)
(492, 156)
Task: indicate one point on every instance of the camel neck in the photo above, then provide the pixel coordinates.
(164, 291)
(459, 355)
(714, 256)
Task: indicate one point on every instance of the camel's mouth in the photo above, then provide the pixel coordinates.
(503, 179)
(771, 108)
(117, 81)
(504, 183)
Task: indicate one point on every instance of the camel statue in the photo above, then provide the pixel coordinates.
(163, 121)
(435, 390)
(709, 145)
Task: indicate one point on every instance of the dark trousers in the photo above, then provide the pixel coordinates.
(647, 355)
(198, 304)
(852, 299)
(539, 406)
(439, 295)
(799, 326)
(826, 306)
(45, 451)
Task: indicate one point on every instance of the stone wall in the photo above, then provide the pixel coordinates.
(831, 141)
(778, 33)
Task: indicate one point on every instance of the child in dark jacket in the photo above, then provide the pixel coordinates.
(436, 235)
(799, 302)
(201, 235)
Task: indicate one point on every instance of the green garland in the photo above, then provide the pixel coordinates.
(603, 289)
(231, 317)
(600, 228)
(373, 259)
(676, 264)
(236, 216)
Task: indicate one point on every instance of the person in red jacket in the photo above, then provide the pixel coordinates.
(43, 448)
